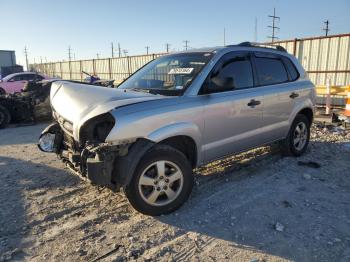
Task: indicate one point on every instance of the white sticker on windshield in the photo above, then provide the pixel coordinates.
(181, 71)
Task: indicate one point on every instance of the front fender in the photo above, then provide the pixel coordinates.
(178, 129)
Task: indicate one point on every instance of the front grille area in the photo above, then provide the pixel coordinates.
(65, 124)
(69, 142)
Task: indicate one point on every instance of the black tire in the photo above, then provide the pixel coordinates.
(160, 153)
(5, 117)
(2, 91)
(288, 146)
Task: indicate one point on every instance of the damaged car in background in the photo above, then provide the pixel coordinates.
(176, 113)
(30, 105)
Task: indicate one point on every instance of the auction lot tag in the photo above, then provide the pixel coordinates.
(181, 71)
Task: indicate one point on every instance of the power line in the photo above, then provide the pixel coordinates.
(147, 48)
(224, 36)
(119, 50)
(167, 46)
(274, 27)
(327, 27)
(69, 53)
(26, 55)
(256, 30)
(186, 44)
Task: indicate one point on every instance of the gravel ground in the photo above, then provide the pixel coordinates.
(256, 206)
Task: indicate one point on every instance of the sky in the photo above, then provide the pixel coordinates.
(47, 28)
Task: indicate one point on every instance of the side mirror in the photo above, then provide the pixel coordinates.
(220, 84)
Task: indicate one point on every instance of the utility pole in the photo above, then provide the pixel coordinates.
(98, 56)
(69, 53)
(26, 54)
(274, 27)
(186, 44)
(256, 30)
(112, 49)
(167, 46)
(125, 52)
(147, 48)
(327, 27)
(224, 36)
(119, 50)
(41, 59)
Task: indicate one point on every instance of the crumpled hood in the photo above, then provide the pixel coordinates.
(79, 102)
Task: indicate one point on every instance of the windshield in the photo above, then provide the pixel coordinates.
(168, 75)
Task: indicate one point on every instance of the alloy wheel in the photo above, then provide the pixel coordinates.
(300, 136)
(160, 183)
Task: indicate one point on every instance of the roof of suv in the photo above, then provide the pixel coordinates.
(245, 45)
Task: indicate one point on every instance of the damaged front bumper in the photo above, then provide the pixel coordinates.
(94, 160)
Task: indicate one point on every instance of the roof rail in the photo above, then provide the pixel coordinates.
(252, 44)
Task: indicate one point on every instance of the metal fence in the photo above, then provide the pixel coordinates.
(117, 68)
(322, 57)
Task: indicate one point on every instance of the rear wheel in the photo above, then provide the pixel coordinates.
(298, 137)
(162, 181)
(5, 116)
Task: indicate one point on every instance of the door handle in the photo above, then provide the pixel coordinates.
(293, 95)
(253, 103)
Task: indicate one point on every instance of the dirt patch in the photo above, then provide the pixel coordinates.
(256, 206)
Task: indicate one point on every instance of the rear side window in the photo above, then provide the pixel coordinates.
(270, 71)
(291, 69)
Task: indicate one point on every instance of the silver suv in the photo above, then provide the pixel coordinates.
(176, 113)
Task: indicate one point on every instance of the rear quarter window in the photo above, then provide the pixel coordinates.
(270, 71)
(293, 72)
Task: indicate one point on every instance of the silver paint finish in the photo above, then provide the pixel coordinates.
(219, 124)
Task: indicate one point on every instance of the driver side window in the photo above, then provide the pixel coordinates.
(234, 71)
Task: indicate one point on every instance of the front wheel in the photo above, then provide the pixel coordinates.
(298, 137)
(162, 181)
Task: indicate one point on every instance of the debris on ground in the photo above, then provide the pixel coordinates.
(50, 215)
(309, 164)
(279, 227)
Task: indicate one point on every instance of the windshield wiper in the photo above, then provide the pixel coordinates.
(138, 90)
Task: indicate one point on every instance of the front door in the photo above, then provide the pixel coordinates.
(233, 117)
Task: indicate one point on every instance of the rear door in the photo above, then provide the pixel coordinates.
(233, 118)
(279, 93)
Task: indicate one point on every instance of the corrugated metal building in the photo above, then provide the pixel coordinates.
(7, 58)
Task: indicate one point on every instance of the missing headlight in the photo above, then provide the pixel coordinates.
(97, 128)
